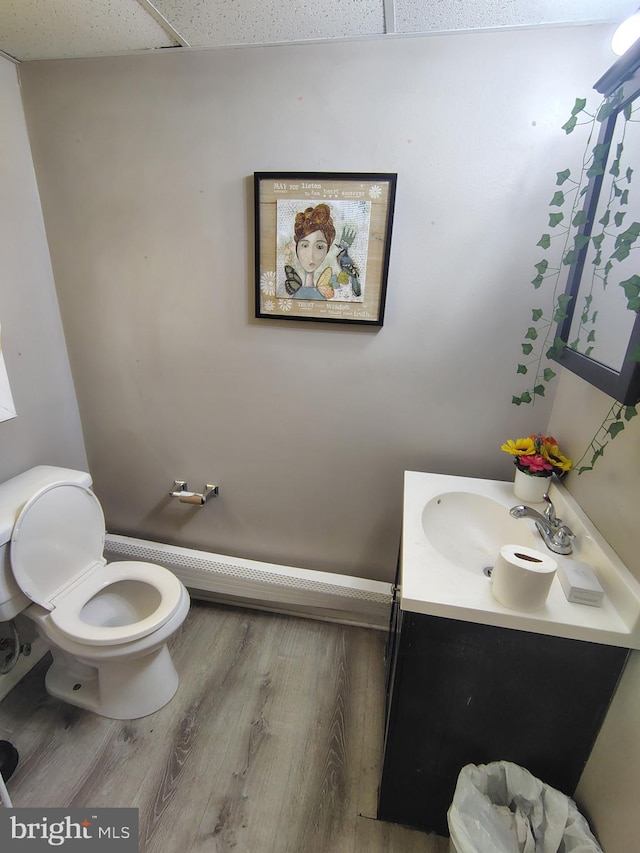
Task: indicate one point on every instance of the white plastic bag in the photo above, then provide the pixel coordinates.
(502, 808)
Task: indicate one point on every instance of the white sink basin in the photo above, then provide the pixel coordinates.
(453, 529)
(468, 529)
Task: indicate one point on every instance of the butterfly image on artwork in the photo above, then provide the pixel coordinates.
(293, 282)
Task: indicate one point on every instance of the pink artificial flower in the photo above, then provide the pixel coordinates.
(535, 463)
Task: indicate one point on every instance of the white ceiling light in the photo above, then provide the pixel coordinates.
(627, 33)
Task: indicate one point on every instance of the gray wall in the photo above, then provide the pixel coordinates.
(144, 165)
(609, 495)
(47, 428)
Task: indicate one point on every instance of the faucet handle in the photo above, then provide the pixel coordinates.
(564, 536)
(550, 511)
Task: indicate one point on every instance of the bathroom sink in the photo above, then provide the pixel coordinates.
(469, 529)
(452, 531)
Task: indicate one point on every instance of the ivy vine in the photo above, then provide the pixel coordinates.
(561, 244)
(611, 426)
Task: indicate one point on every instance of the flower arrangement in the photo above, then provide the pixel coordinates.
(538, 455)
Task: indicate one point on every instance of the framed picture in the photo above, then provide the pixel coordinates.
(322, 245)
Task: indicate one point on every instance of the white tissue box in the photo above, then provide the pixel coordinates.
(580, 583)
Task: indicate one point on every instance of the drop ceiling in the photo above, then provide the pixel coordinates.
(60, 29)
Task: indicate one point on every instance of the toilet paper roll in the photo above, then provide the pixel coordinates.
(522, 577)
(190, 498)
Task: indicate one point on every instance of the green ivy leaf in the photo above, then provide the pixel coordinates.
(630, 412)
(548, 374)
(561, 177)
(600, 153)
(631, 234)
(605, 219)
(536, 313)
(555, 219)
(620, 215)
(544, 241)
(615, 428)
(525, 397)
(522, 369)
(556, 349)
(558, 199)
(569, 125)
(539, 390)
(531, 334)
(580, 218)
(624, 197)
(542, 266)
(621, 252)
(610, 105)
(591, 336)
(559, 315)
(631, 287)
(537, 281)
(628, 174)
(580, 241)
(615, 168)
(564, 299)
(597, 240)
(526, 349)
(569, 258)
(579, 105)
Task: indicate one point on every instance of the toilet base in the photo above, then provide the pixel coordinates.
(122, 690)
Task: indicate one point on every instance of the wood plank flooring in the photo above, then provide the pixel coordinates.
(271, 745)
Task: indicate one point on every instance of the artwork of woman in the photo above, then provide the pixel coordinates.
(314, 234)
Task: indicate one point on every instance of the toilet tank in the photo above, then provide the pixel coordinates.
(13, 496)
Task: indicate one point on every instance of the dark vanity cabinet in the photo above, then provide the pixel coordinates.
(461, 693)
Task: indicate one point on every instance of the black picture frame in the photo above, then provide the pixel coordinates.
(340, 275)
(621, 85)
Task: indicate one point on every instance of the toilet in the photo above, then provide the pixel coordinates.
(106, 624)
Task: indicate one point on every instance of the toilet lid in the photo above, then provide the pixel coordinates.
(58, 536)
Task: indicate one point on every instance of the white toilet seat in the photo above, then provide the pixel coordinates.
(66, 614)
(56, 557)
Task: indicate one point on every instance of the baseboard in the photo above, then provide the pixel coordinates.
(251, 583)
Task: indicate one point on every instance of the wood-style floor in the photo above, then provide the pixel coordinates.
(271, 745)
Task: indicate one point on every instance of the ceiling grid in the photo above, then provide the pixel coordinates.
(42, 29)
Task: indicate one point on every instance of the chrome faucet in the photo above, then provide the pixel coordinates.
(556, 535)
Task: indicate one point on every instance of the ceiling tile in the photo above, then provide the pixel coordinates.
(418, 16)
(218, 22)
(47, 29)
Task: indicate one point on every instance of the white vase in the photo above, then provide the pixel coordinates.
(529, 488)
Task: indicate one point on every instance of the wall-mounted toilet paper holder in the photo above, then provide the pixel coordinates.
(180, 491)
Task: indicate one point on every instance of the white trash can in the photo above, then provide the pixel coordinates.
(502, 808)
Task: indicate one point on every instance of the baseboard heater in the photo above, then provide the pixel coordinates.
(251, 583)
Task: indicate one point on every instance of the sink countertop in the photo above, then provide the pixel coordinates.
(433, 585)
